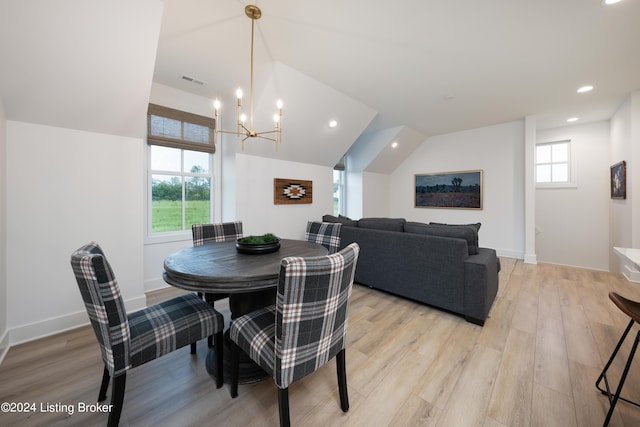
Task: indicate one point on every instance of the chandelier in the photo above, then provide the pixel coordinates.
(245, 130)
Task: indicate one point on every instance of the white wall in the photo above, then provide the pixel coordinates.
(633, 184)
(573, 223)
(620, 211)
(376, 193)
(355, 194)
(254, 194)
(498, 151)
(624, 226)
(4, 331)
(65, 188)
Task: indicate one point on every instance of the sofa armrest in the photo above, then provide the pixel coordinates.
(481, 284)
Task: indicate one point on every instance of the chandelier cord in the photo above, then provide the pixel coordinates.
(253, 22)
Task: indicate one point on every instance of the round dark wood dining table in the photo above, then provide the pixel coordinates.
(250, 281)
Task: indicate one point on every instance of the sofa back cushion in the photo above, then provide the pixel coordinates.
(466, 232)
(347, 222)
(388, 224)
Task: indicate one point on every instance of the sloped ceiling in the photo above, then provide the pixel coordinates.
(307, 137)
(433, 67)
(425, 67)
(79, 64)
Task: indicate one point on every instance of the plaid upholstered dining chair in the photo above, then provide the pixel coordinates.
(218, 232)
(325, 233)
(304, 329)
(130, 340)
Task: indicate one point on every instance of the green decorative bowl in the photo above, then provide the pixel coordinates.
(258, 245)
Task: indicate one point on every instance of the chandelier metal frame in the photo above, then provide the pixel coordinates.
(245, 130)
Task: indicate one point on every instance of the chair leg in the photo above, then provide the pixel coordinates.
(211, 301)
(283, 405)
(117, 398)
(235, 369)
(613, 399)
(219, 359)
(104, 386)
(193, 348)
(342, 380)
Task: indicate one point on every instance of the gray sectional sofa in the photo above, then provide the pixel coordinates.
(436, 264)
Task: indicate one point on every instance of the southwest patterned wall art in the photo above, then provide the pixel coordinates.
(292, 191)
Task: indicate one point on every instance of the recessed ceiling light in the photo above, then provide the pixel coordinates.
(394, 144)
(583, 89)
(333, 123)
(608, 2)
(572, 119)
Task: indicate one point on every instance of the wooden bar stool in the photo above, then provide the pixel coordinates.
(631, 309)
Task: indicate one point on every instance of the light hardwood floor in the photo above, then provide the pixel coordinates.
(534, 363)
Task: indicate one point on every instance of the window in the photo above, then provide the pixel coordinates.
(180, 169)
(339, 188)
(553, 163)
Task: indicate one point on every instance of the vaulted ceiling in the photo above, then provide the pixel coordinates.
(386, 71)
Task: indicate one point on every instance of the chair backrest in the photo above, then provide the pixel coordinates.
(325, 233)
(221, 232)
(104, 304)
(312, 307)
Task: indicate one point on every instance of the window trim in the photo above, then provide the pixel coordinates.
(572, 182)
(158, 110)
(176, 235)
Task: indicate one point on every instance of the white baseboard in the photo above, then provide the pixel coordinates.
(509, 254)
(155, 285)
(55, 325)
(531, 259)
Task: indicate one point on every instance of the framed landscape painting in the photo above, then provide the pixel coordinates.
(619, 180)
(453, 190)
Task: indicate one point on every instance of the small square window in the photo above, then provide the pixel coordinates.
(553, 163)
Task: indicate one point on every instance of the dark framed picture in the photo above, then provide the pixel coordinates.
(619, 180)
(292, 191)
(453, 190)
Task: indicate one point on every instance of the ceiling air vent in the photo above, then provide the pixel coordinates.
(192, 80)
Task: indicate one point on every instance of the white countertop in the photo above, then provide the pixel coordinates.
(631, 254)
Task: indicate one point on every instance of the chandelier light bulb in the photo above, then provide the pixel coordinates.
(216, 105)
(279, 104)
(239, 93)
(243, 118)
(276, 118)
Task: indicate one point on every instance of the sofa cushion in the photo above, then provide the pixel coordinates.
(475, 226)
(348, 222)
(468, 233)
(389, 224)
